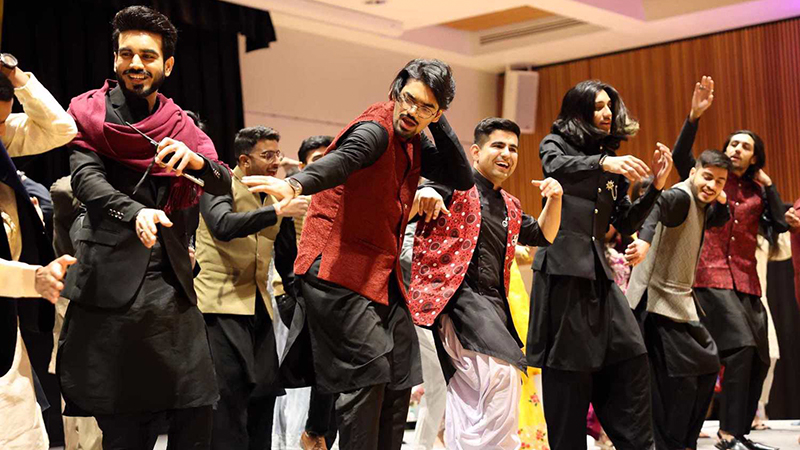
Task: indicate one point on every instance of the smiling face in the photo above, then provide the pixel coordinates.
(708, 182)
(496, 158)
(602, 111)
(414, 109)
(741, 149)
(139, 63)
(263, 159)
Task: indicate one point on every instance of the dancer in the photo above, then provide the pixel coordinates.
(42, 126)
(683, 358)
(350, 287)
(582, 332)
(459, 284)
(726, 285)
(234, 251)
(133, 303)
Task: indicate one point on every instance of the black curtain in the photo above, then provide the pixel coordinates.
(67, 45)
(783, 399)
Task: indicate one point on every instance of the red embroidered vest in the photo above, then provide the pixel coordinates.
(443, 250)
(728, 259)
(358, 226)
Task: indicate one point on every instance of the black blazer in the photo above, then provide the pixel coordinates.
(112, 261)
(37, 315)
(592, 200)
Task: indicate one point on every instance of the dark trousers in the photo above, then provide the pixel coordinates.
(620, 394)
(372, 418)
(189, 428)
(679, 408)
(322, 416)
(742, 382)
(246, 365)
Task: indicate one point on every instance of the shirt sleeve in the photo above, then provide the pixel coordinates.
(682, 151)
(775, 210)
(671, 209)
(556, 163)
(627, 216)
(225, 224)
(718, 215)
(43, 126)
(360, 147)
(17, 279)
(530, 234)
(444, 160)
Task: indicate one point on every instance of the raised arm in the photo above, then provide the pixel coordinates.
(444, 160)
(43, 126)
(774, 209)
(702, 98)
(225, 224)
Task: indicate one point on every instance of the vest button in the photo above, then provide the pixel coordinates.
(592, 238)
(595, 210)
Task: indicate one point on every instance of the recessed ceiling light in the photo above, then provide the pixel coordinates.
(374, 2)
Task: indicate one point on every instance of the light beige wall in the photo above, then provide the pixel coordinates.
(306, 84)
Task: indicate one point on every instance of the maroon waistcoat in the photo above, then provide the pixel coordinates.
(444, 248)
(358, 226)
(728, 259)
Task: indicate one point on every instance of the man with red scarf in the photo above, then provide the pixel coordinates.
(351, 294)
(133, 349)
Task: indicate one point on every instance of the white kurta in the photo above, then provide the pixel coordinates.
(482, 398)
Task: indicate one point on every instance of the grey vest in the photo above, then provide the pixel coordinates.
(667, 273)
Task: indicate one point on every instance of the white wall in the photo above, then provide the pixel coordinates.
(304, 84)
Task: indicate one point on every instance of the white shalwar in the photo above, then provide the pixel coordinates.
(482, 398)
(21, 424)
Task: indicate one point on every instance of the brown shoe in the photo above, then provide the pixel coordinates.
(308, 442)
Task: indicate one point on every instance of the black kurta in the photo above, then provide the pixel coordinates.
(479, 309)
(357, 342)
(149, 355)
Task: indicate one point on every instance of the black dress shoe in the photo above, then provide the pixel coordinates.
(755, 445)
(730, 444)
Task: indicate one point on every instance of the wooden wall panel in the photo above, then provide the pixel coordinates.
(757, 75)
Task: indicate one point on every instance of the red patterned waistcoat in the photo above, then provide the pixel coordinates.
(728, 259)
(443, 250)
(358, 226)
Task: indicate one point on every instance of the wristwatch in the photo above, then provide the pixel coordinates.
(8, 61)
(295, 185)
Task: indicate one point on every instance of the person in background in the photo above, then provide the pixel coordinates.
(234, 251)
(727, 285)
(24, 247)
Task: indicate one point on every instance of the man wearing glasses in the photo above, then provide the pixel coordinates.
(350, 294)
(234, 250)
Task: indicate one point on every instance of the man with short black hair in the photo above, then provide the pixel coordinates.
(234, 250)
(350, 287)
(460, 275)
(683, 357)
(133, 348)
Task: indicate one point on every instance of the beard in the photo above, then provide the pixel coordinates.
(140, 91)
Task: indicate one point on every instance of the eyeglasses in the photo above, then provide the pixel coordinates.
(272, 154)
(409, 103)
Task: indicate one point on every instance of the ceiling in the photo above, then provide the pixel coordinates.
(493, 35)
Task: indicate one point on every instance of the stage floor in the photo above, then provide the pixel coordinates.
(783, 434)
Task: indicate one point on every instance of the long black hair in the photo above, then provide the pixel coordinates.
(575, 122)
(758, 152)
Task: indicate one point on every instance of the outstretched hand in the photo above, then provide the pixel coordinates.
(662, 164)
(146, 229)
(549, 187)
(702, 97)
(429, 204)
(276, 187)
(49, 279)
(636, 252)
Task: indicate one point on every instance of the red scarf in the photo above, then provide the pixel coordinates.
(121, 143)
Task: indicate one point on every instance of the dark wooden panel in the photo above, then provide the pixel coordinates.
(756, 71)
